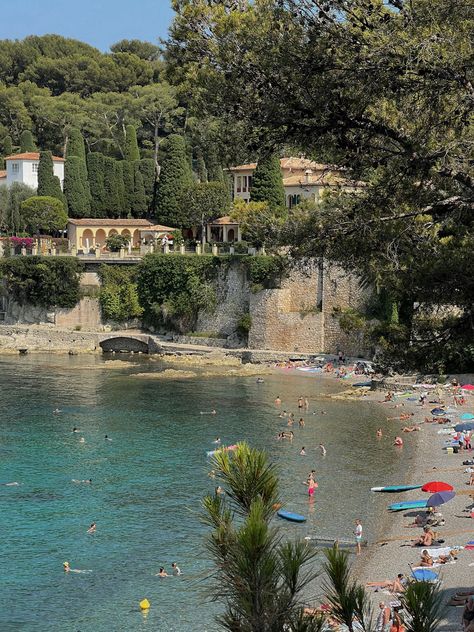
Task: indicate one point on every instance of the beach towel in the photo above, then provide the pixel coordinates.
(437, 565)
(445, 550)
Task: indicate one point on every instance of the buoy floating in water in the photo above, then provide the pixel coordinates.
(144, 604)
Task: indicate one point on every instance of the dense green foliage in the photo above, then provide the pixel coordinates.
(132, 152)
(7, 146)
(43, 214)
(76, 187)
(27, 142)
(10, 203)
(48, 184)
(95, 171)
(172, 289)
(111, 188)
(118, 293)
(267, 184)
(46, 282)
(205, 201)
(116, 242)
(266, 272)
(385, 93)
(175, 179)
(139, 201)
(148, 171)
(75, 144)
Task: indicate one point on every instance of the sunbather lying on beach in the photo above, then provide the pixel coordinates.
(398, 585)
(428, 560)
(411, 429)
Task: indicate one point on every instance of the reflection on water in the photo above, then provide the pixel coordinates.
(147, 484)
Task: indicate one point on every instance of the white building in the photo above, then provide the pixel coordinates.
(303, 179)
(24, 168)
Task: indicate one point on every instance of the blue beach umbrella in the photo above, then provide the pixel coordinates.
(440, 498)
(438, 411)
(467, 416)
(464, 427)
(424, 575)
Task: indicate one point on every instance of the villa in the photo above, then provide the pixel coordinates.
(84, 234)
(303, 179)
(24, 168)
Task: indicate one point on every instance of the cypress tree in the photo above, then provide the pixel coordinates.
(95, 169)
(7, 146)
(27, 143)
(267, 184)
(75, 145)
(139, 207)
(48, 183)
(132, 152)
(111, 188)
(148, 171)
(123, 206)
(75, 189)
(201, 170)
(215, 172)
(128, 184)
(175, 178)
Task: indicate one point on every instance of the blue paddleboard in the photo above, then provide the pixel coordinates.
(395, 488)
(360, 384)
(409, 504)
(289, 515)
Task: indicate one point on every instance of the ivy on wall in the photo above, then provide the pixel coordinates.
(118, 295)
(42, 281)
(266, 272)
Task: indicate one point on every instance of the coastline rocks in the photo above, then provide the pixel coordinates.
(167, 374)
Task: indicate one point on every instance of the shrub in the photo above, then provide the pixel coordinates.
(118, 295)
(43, 214)
(115, 242)
(44, 282)
(244, 325)
(267, 272)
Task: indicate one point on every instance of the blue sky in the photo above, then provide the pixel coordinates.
(97, 22)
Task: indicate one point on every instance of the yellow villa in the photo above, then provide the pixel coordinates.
(84, 234)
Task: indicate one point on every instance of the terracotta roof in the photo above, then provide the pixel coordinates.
(226, 219)
(3, 174)
(31, 155)
(322, 180)
(160, 228)
(111, 222)
(289, 164)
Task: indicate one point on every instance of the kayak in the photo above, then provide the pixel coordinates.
(394, 488)
(289, 515)
(362, 384)
(409, 504)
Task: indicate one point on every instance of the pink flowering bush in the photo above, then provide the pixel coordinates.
(22, 242)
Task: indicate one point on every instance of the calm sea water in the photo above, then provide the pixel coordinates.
(147, 485)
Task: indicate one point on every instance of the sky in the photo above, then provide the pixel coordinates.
(97, 22)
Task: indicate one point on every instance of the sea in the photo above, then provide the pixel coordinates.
(148, 482)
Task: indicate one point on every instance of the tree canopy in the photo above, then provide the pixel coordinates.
(43, 214)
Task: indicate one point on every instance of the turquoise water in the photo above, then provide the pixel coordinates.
(147, 485)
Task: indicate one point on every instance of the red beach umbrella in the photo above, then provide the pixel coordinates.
(437, 486)
(467, 387)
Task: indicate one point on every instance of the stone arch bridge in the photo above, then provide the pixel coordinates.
(124, 342)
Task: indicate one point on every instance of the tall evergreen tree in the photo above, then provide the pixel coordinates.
(123, 205)
(95, 169)
(148, 171)
(214, 169)
(75, 189)
(267, 185)
(128, 184)
(111, 188)
(75, 145)
(48, 183)
(132, 152)
(27, 143)
(7, 145)
(201, 170)
(175, 178)
(139, 206)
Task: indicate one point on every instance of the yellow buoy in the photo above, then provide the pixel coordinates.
(144, 604)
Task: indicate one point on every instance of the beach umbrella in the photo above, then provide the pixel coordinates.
(467, 416)
(467, 387)
(440, 498)
(464, 427)
(424, 575)
(436, 486)
(438, 411)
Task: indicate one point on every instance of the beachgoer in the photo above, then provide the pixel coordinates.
(379, 432)
(217, 440)
(75, 429)
(290, 421)
(323, 449)
(300, 402)
(306, 403)
(398, 442)
(212, 474)
(283, 414)
(57, 411)
(213, 411)
(382, 623)
(358, 536)
(92, 528)
(107, 438)
(468, 613)
(410, 429)
(312, 486)
(426, 538)
(176, 569)
(467, 441)
(426, 559)
(301, 422)
(82, 440)
(162, 573)
(278, 400)
(397, 623)
(219, 490)
(66, 567)
(302, 452)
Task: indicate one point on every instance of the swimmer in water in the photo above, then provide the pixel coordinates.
(107, 438)
(57, 411)
(218, 440)
(82, 440)
(323, 449)
(86, 481)
(219, 490)
(162, 573)
(278, 400)
(75, 429)
(379, 432)
(68, 569)
(208, 412)
(212, 474)
(176, 569)
(92, 528)
(302, 452)
(14, 484)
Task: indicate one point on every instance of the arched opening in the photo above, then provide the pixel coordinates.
(100, 237)
(124, 345)
(231, 234)
(136, 238)
(87, 239)
(112, 231)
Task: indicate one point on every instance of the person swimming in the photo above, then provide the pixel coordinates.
(176, 569)
(162, 573)
(75, 429)
(379, 432)
(107, 438)
(12, 484)
(217, 440)
(302, 452)
(56, 411)
(82, 440)
(208, 412)
(92, 528)
(67, 569)
(323, 449)
(86, 481)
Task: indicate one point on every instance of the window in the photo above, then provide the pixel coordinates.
(244, 184)
(15, 167)
(250, 183)
(239, 184)
(34, 167)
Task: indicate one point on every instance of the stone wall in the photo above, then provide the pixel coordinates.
(86, 315)
(41, 339)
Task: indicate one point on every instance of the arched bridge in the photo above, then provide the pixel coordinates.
(122, 342)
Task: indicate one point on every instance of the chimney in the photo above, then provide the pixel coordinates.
(307, 176)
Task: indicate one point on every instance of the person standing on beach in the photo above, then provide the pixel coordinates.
(306, 403)
(277, 401)
(300, 402)
(382, 623)
(358, 536)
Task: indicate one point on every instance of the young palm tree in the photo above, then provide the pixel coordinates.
(422, 602)
(259, 578)
(348, 599)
